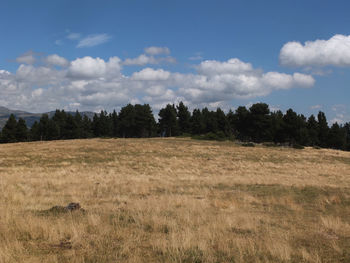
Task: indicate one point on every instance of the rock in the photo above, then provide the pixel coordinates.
(71, 207)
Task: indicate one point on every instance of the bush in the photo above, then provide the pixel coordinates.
(298, 146)
(220, 136)
(248, 144)
(270, 144)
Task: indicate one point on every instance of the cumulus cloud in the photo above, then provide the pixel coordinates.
(89, 68)
(232, 66)
(157, 50)
(140, 60)
(144, 60)
(332, 52)
(93, 40)
(151, 56)
(151, 74)
(93, 83)
(56, 60)
(27, 58)
(220, 81)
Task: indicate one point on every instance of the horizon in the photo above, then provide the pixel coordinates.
(102, 55)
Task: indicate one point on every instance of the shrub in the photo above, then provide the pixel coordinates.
(248, 144)
(298, 146)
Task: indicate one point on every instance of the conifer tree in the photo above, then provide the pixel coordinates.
(21, 131)
(197, 125)
(9, 131)
(323, 129)
(184, 117)
(168, 121)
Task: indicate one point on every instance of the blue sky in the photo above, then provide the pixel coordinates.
(90, 55)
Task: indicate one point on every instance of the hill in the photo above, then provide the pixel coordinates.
(173, 200)
(29, 117)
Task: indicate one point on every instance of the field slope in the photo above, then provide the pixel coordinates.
(173, 200)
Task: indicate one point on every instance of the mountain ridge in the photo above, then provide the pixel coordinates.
(30, 117)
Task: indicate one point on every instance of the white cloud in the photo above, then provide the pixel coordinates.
(140, 60)
(95, 83)
(332, 52)
(151, 74)
(232, 66)
(93, 40)
(73, 36)
(58, 42)
(27, 58)
(197, 56)
(157, 50)
(144, 60)
(56, 60)
(316, 107)
(89, 68)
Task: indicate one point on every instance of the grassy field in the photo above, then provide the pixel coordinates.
(173, 200)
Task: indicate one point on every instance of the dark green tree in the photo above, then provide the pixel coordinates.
(210, 121)
(347, 133)
(126, 121)
(184, 117)
(277, 126)
(21, 131)
(222, 123)
(337, 137)
(323, 129)
(197, 124)
(312, 126)
(168, 121)
(242, 123)
(114, 121)
(290, 129)
(145, 124)
(260, 122)
(9, 131)
(86, 128)
(34, 132)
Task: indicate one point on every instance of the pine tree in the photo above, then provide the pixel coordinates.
(168, 121)
(197, 125)
(277, 126)
(337, 137)
(34, 133)
(242, 123)
(86, 127)
(114, 120)
(323, 129)
(222, 123)
(9, 130)
(126, 120)
(209, 120)
(21, 131)
(145, 124)
(184, 117)
(260, 122)
(312, 126)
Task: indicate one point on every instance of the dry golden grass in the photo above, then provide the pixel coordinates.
(173, 200)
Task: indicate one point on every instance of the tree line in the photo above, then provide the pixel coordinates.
(254, 124)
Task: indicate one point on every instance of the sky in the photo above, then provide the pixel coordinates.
(93, 55)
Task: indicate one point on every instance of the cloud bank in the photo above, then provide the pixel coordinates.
(89, 83)
(319, 53)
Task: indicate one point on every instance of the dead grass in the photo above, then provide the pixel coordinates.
(173, 200)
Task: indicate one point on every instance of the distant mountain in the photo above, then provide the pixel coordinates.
(29, 117)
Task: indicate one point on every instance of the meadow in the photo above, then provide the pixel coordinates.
(173, 200)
